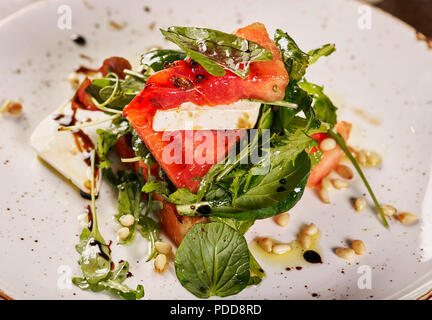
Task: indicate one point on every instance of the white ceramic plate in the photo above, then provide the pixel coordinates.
(383, 71)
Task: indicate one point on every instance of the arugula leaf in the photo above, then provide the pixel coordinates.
(149, 229)
(129, 202)
(158, 186)
(264, 200)
(341, 143)
(140, 149)
(182, 196)
(323, 106)
(284, 117)
(216, 50)
(213, 260)
(108, 138)
(102, 90)
(325, 50)
(113, 283)
(157, 58)
(95, 258)
(296, 61)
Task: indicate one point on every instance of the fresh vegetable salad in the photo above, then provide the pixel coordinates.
(201, 143)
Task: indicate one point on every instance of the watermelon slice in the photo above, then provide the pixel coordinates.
(186, 81)
(330, 158)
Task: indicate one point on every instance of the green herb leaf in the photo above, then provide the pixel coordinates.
(113, 283)
(325, 50)
(241, 226)
(95, 257)
(118, 95)
(182, 196)
(213, 260)
(296, 61)
(158, 186)
(257, 273)
(216, 50)
(108, 138)
(149, 229)
(341, 143)
(129, 202)
(323, 106)
(156, 59)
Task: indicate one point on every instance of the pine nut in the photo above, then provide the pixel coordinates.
(359, 204)
(266, 244)
(281, 248)
(359, 247)
(407, 218)
(163, 247)
(324, 195)
(388, 210)
(361, 158)
(282, 219)
(340, 184)
(373, 159)
(345, 253)
(326, 183)
(304, 240)
(127, 220)
(327, 144)
(123, 233)
(161, 263)
(345, 172)
(11, 107)
(310, 229)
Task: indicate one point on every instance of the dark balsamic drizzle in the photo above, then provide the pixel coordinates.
(82, 141)
(79, 39)
(101, 253)
(312, 256)
(86, 70)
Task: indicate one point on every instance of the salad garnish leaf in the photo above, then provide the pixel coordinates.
(113, 283)
(323, 51)
(108, 138)
(242, 226)
(95, 258)
(213, 260)
(129, 202)
(323, 106)
(296, 61)
(215, 50)
(149, 229)
(158, 58)
(341, 143)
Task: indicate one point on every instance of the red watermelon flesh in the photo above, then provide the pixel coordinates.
(186, 81)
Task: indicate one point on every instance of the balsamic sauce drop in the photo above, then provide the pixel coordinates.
(312, 256)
